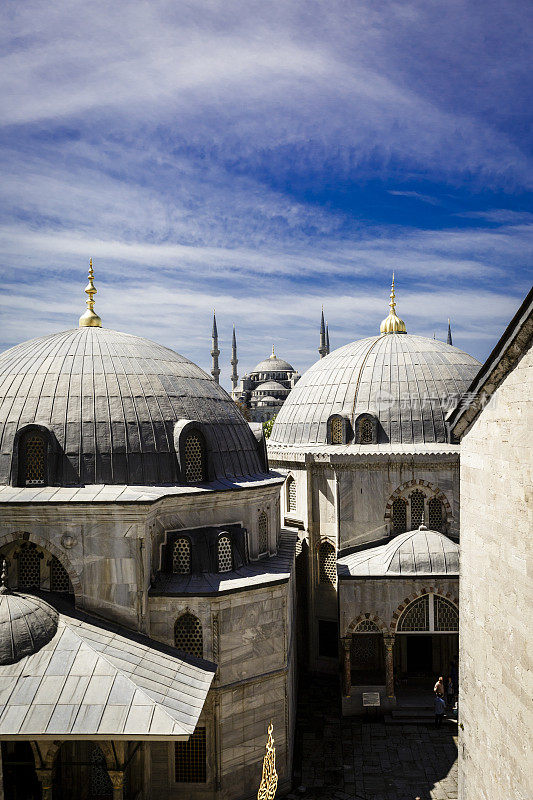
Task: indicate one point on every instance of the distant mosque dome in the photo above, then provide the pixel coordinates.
(406, 383)
(271, 386)
(273, 364)
(27, 623)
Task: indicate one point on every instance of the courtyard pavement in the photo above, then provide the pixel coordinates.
(347, 759)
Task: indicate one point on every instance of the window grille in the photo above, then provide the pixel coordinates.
(225, 556)
(417, 509)
(364, 650)
(29, 568)
(366, 431)
(336, 431)
(34, 460)
(188, 635)
(263, 533)
(327, 563)
(399, 516)
(194, 459)
(190, 759)
(446, 615)
(435, 514)
(367, 626)
(59, 579)
(416, 616)
(291, 494)
(100, 785)
(181, 556)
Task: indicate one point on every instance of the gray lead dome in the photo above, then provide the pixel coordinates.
(27, 623)
(408, 383)
(111, 401)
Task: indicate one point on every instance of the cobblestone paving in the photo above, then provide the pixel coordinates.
(346, 759)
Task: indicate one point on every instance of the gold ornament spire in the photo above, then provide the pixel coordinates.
(273, 353)
(90, 319)
(269, 778)
(392, 323)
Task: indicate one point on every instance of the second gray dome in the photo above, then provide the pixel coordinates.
(408, 383)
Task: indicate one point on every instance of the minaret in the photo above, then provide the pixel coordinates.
(234, 361)
(215, 352)
(90, 319)
(327, 339)
(449, 339)
(323, 349)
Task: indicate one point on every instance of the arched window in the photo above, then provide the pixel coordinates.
(291, 494)
(262, 533)
(194, 458)
(435, 514)
(367, 626)
(417, 509)
(416, 616)
(188, 635)
(366, 431)
(33, 455)
(327, 564)
(399, 516)
(181, 556)
(225, 554)
(59, 579)
(336, 428)
(445, 615)
(29, 566)
(431, 613)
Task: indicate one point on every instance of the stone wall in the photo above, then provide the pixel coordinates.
(254, 647)
(496, 595)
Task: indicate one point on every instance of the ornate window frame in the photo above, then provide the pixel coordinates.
(430, 492)
(345, 429)
(358, 422)
(51, 455)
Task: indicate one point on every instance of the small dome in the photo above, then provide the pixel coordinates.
(268, 400)
(27, 623)
(419, 552)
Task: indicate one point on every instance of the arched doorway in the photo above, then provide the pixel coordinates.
(427, 638)
(80, 773)
(19, 775)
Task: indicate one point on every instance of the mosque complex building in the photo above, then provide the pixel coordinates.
(165, 570)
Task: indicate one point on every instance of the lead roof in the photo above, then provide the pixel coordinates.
(408, 382)
(111, 400)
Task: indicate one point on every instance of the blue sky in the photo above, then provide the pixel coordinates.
(265, 158)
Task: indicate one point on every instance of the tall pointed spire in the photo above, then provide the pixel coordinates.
(392, 323)
(322, 350)
(449, 339)
(215, 352)
(234, 361)
(327, 339)
(90, 319)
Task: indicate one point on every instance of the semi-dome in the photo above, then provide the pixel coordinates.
(418, 552)
(111, 402)
(27, 623)
(271, 386)
(407, 383)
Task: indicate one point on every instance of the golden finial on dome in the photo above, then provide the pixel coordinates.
(90, 319)
(392, 323)
(273, 353)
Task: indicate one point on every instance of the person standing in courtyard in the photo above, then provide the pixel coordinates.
(450, 692)
(439, 687)
(439, 710)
